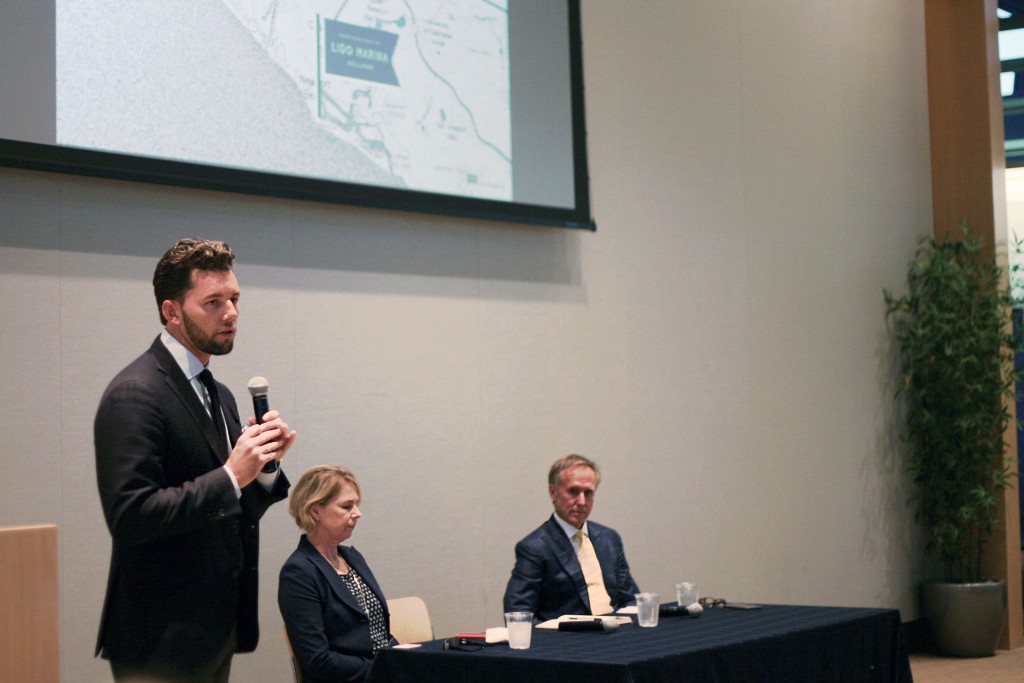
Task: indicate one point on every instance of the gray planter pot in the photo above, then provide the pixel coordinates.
(965, 619)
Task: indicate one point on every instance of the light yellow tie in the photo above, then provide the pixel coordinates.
(600, 603)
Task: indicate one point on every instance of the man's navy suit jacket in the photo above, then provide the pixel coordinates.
(184, 563)
(548, 580)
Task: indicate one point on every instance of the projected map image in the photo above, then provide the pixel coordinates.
(420, 86)
(400, 93)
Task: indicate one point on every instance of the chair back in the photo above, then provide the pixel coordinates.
(296, 671)
(410, 621)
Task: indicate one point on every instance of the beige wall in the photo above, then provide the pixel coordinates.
(760, 172)
(1015, 208)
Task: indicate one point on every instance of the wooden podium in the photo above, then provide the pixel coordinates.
(29, 629)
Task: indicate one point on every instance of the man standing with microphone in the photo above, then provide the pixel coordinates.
(183, 486)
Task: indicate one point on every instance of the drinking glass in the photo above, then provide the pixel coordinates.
(520, 628)
(647, 609)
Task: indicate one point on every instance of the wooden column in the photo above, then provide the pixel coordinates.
(968, 184)
(29, 629)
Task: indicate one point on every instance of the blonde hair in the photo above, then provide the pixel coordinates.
(316, 486)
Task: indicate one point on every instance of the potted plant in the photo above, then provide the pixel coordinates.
(957, 377)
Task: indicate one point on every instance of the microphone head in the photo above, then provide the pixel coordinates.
(258, 386)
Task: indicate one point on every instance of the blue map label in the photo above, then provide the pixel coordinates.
(359, 52)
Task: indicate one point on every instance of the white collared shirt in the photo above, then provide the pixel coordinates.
(191, 366)
(570, 531)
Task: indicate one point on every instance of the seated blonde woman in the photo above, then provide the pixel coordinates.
(334, 611)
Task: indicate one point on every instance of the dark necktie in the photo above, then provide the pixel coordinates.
(206, 377)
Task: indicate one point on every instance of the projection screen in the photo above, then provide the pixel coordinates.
(456, 107)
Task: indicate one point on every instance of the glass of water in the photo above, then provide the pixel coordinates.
(520, 628)
(686, 593)
(647, 609)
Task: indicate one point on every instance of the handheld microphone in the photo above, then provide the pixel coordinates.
(694, 610)
(258, 388)
(596, 624)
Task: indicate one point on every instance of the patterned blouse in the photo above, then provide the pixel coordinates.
(371, 606)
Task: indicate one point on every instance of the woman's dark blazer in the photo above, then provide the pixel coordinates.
(328, 630)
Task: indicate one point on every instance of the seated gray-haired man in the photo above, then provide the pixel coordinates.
(569, 565)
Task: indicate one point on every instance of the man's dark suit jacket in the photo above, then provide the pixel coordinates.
(328, 630)
(183, 569)
(548, 581)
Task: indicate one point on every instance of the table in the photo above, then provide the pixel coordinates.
(784, 643)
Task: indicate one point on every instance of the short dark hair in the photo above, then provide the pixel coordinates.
(173, 275)
(564, 463)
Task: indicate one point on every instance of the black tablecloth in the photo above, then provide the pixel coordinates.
(779, 643)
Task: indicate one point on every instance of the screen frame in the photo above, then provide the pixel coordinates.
(78, 161)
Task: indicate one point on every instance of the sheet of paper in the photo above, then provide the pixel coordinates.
(553, 623)
(497, 634)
